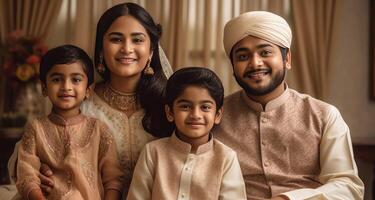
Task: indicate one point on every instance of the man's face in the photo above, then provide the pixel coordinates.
(258, 65)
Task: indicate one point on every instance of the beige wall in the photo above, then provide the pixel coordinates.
(350, 71)
(350, 77)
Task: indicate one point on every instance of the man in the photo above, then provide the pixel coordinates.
(290, 145)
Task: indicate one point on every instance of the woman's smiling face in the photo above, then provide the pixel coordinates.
(126, 47)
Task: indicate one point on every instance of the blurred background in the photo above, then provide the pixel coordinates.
(332, 54)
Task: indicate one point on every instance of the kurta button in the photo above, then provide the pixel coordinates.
(182, 195)
(263, 143)
(264, 120)
(266, 164)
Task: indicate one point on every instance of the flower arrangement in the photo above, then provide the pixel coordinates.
(21, 57)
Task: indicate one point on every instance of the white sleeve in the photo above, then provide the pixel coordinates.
(12, 163)
(339, 174)
(232, 184)
(143, 177)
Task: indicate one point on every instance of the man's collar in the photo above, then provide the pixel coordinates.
(274, 103)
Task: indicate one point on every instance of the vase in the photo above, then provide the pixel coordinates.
(29, 101)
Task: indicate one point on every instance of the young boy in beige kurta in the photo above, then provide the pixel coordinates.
(190, 164)
(79, 149)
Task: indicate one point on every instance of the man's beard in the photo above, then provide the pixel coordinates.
(275, 82)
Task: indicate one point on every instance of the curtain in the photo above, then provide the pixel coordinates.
(2, 83)
(314, 27)
(34, 18)
(193, 31)
(31, 16)
(81, 20)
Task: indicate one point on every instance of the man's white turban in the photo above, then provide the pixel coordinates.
(261, 24)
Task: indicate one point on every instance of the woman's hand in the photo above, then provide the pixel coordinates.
(46, 180)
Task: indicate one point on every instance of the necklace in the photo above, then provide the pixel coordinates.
(124, 102)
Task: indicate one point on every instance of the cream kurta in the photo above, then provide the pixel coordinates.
(79, 150)
(297, 145)
(167, 170)
(128, 132)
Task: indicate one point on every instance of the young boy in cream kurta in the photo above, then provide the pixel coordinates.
(79, 149)
(190, 164)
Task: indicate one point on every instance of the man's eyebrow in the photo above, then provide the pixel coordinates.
(244, 49)
(241, 49)
(263, 46)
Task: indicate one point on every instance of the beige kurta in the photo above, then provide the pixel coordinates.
(79, 150)
(297, 145)
(167, 170)
(128, 132)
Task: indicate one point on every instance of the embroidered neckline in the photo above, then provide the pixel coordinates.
(59, 120)
(124, 102)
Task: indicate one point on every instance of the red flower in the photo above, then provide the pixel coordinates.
(15, 35)
(41, 48)
(33, 59)
(21, 55)
(7, 67)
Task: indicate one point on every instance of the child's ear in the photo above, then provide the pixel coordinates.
(219, 114)
(89, 90)
(44, 89)
(168, 113)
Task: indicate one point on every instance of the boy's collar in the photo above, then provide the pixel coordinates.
(185, 147)
(60, 120)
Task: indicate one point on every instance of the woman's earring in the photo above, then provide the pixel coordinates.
(101, 68)
(44, 91)
(148, 69)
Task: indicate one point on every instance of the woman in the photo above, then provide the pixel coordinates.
(129, 99)
(134, 71)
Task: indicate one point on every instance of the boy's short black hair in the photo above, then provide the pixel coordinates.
(194, 76)
(66, 54)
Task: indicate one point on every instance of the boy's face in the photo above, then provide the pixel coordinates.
(194, 113)
(66, 87)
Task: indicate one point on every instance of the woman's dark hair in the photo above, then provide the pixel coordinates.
(150, 88)
(194, 76)
(66, 54)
